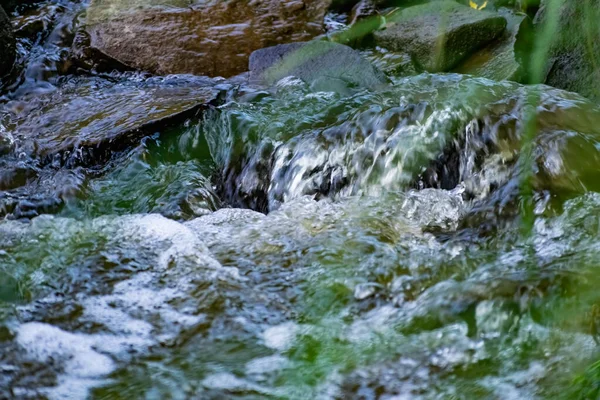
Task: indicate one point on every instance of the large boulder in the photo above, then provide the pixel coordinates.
(572, 62)
(441, 34)
(7, 44)
(323, 65)
(212, 38)
(501, 59)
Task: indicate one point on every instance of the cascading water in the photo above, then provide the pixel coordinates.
(368, 273)
(185, 237)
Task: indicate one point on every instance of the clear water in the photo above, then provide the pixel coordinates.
(436, 239)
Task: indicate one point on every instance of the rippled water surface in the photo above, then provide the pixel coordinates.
(435, 239)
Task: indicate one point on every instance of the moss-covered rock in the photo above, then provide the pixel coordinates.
(573, 58)
(439, 35)
(500, 60)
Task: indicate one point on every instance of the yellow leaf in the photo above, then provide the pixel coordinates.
(477, 7)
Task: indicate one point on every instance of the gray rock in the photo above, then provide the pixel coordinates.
(87, 120)
(572, 60)
(439, 35)
(323, 65)
(7, 44)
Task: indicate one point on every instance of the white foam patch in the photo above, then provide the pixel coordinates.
(181, 243)
(231, 383)
(220, 226)
(280, 337)
(267, 365)
(83, 366)
(435, 208)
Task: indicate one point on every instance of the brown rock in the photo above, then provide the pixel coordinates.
(212, 37)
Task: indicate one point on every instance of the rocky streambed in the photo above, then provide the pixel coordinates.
(363, 215)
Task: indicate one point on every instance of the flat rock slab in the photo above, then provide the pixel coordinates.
(323, 65)
(86, 119)
(213, 38)
(439, 35)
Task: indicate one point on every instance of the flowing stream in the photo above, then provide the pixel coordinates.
(435, 239)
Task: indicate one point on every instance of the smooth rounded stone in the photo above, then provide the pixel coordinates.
(440, 34)
(85, 121)
(572, 59)
(500, 60)
(7, 44)
(325, 66)
(212, 38)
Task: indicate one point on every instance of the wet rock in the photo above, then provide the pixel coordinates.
(324, 65)
(572, 60)
(390, 62)
(500, 60)
(7, 44)
(83, 55)
(86, 120)
(206, 38)
(343, 5)
(359, 34)
(45, 34)
(41, 191)
(362, 10)
(36, 22)
(11, 5)
(439, 35)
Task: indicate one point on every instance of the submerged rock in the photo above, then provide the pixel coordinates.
(572, 60)
(323, 65)
(439, 35)
(205, 38)
(7, 44)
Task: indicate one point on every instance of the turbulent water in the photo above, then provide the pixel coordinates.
(435, 239)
